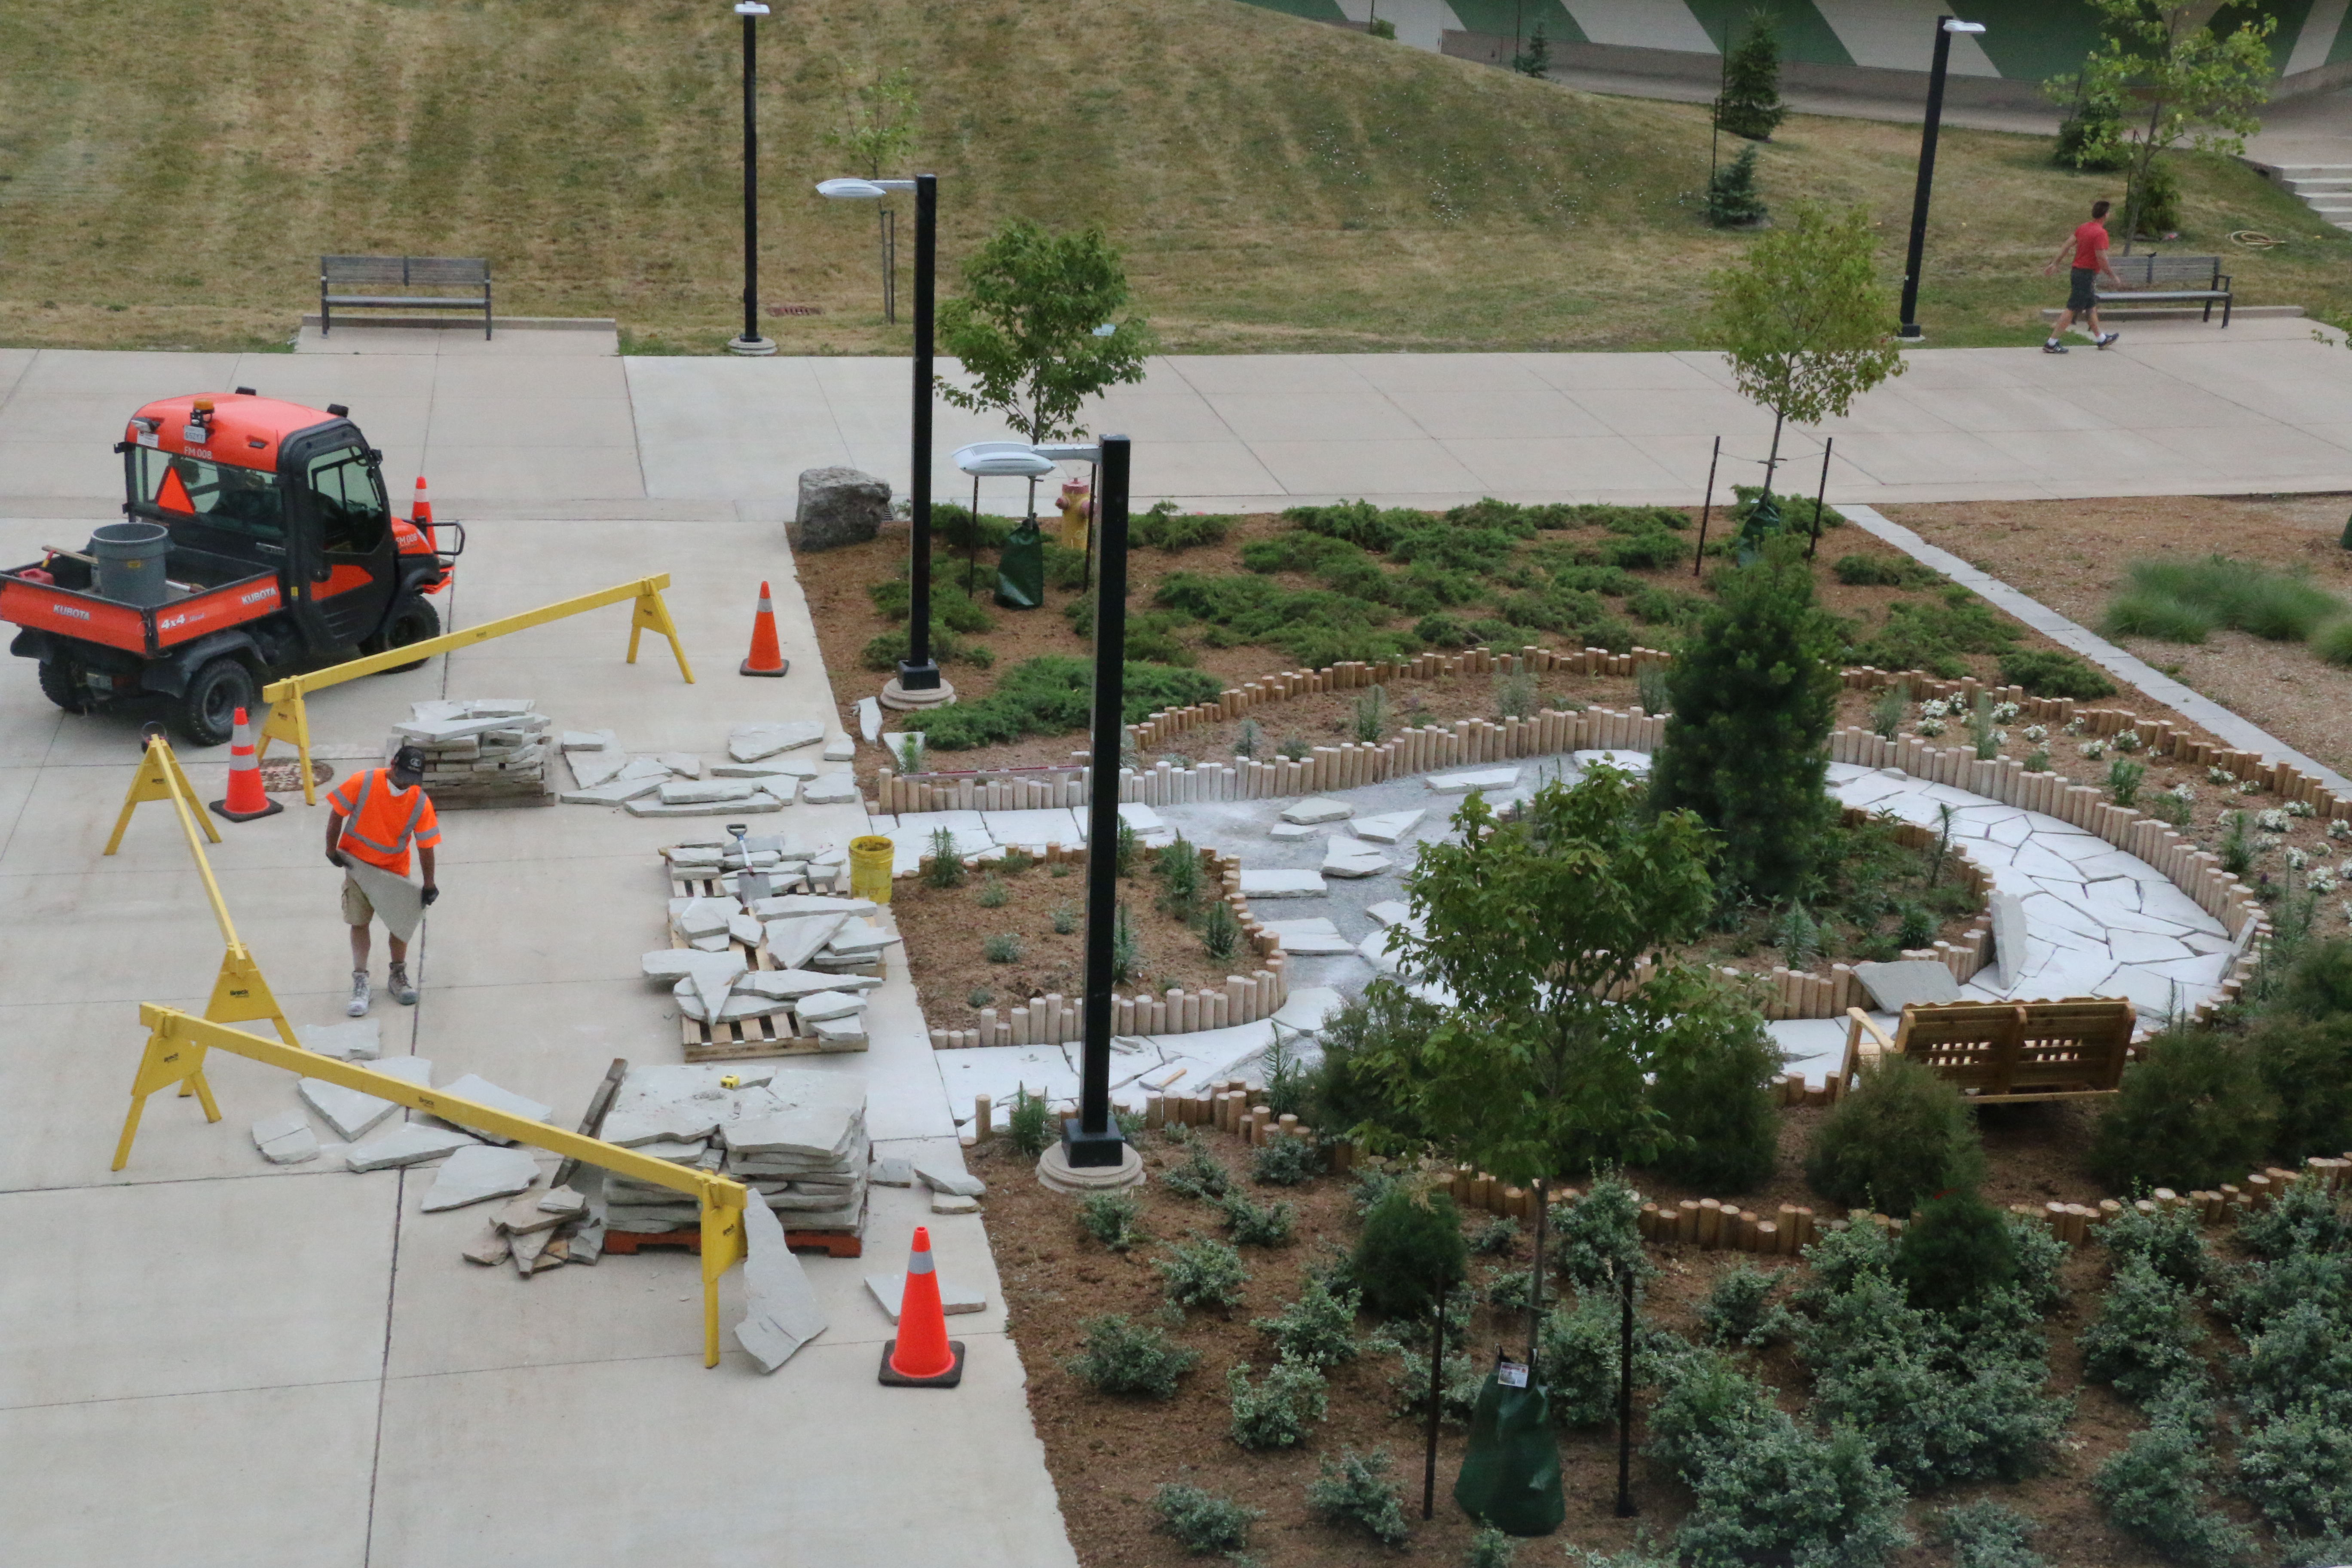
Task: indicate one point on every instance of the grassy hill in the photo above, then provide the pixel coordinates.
(169, 172)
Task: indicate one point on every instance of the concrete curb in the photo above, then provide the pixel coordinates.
(2125, 667)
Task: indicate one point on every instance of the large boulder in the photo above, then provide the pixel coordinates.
(838, 506)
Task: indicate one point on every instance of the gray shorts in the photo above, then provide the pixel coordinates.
(2083, 289)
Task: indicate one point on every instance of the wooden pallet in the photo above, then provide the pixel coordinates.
(745, 1038)
(833, 1243)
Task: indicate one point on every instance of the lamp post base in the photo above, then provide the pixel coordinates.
(755, 347)
(896, 697)
(1911, 331)
(1055, 1171)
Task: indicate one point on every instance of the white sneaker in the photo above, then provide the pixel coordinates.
(359, 1003)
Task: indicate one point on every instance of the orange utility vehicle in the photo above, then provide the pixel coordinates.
(279, 548)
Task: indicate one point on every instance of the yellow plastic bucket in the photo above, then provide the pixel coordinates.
(871, 857)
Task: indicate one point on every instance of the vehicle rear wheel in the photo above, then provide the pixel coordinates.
(412, 620)
(61, 683)
(207, 714)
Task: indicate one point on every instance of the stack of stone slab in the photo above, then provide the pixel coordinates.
(813, 1010)
(479, 752)
(795, 1137)
(790, 864)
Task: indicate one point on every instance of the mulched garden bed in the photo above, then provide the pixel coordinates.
(1109, 1455)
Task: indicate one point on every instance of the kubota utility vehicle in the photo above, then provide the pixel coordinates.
(278, 549)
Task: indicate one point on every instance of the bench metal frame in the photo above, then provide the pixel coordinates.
(442, 272)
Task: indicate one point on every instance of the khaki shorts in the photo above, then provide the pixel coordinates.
(357, 910)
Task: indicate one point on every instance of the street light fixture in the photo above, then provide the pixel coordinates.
(918, 684)
(1945, 27)
(1092, 1153)
(750, 341)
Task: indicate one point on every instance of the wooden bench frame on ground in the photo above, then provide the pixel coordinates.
(2003, 1052)
(178, 1042)
(240, 994)
(444, 272)
(2156, 279)
(289, 719)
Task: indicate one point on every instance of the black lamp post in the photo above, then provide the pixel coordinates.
(1945, 27)
(1093, 1139)
(750, 341)
(918, 684)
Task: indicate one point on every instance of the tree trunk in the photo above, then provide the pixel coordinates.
(1625, 1402)
(1536, 1284)
(1772, 463)
(2140, 176)
(1436, 1390)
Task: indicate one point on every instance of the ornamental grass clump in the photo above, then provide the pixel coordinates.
(1899, 1138)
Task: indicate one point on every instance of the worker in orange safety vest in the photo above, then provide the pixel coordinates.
(375, 816)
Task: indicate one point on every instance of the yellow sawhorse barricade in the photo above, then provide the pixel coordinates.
(240, 994)
(289, 721)
(178, 1042)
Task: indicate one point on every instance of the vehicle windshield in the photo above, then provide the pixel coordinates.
(354, 516)
(240, 500)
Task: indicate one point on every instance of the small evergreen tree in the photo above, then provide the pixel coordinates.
(1755, 694)
(1535, 60)
(1750, 105)
(1732, 199)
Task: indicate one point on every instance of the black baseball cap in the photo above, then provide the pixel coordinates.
(409, 760)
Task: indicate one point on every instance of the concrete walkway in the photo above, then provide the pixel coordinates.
(2177, 408)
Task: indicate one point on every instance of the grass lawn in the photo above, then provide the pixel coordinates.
(168, 173)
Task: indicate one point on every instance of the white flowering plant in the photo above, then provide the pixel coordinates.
(1934, 707)
(2271, 821)
(2094, 750)
(2002, 712)
(2301, 808)
(2250, 787)
(2297, 859)
(2339, 828)
(2126, 742)
(2182, 791)
(2222, 776)
(2321, 882)
(1932, 726)
(2037, 733)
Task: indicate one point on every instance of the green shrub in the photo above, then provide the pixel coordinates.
(993, 894)
(1956, 1246)
(1577, 1357)
(1724, 1131)
(1796, 510)
(1202, 1520)
(943, 868)
(2123, 779)
(1112, 1218)
(1053, 695)
(1165, 528)
(1754, 698)
(1732, 199)
(2173, 1241)
(2157, 1489)
(1598, 1238)
(2333, 642)
(1458, 1385)
(1124, 1357)
(1490, 1548)
(1285, 1162)
(1003, 947)
(1202, 1273)
(2040, 1256)
(1275, 1413)
(1643, 552)
(1359, 522)
(1318, 1329)
(2184, 601)
(1354, 1489)
(2045, 672)
(890, 649)
(1258, 1224)
(1409, 1252)
(1868, 570)
(1345, 1092)
(2299, 1360)
(2144, 1340)
(1030, 1124)
(1734, 1311)
(1932, 634)
(2192, 1113)
(2305, 1218)
(2319, 984)
(1201, 1175)
(1498, 1234)
(1986, 1534)
(2297, 1469)
(1901, 1136)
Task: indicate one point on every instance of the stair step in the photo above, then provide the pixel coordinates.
(2318, 187)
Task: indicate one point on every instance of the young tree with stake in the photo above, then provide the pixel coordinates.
(1029, 328)
(1804, 321)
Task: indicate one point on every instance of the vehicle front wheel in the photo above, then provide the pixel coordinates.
(411, 620)
(207, 714)
(62, 684)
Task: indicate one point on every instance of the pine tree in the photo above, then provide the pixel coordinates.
(1732, 199)
(1537, 60)
(1747, 749)
(1750, 105)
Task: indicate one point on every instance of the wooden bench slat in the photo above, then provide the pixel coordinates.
(2004, 1051)
(406, 272)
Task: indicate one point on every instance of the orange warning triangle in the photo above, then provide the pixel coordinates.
(174, 495)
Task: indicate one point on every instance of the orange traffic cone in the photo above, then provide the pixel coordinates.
(420, 515)
(922, 1356)
(766, 657)
(245, 800)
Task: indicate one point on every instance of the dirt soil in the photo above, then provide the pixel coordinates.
(944, 929)
(1109, 1455)
(2072, 555)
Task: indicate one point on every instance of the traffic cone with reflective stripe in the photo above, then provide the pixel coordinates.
(766, 657)
(421, 514)
(922, 1356)
(245, 800)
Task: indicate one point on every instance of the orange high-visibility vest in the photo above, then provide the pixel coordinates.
(381, 820)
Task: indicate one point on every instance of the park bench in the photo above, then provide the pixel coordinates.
(341, 276)
(2005, 1052)
(2155, 280)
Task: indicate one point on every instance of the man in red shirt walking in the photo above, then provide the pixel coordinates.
(2088, 245)
(374, 816)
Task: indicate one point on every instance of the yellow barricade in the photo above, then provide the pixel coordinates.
(177, 1043)
(289, 721)
(239, 995)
